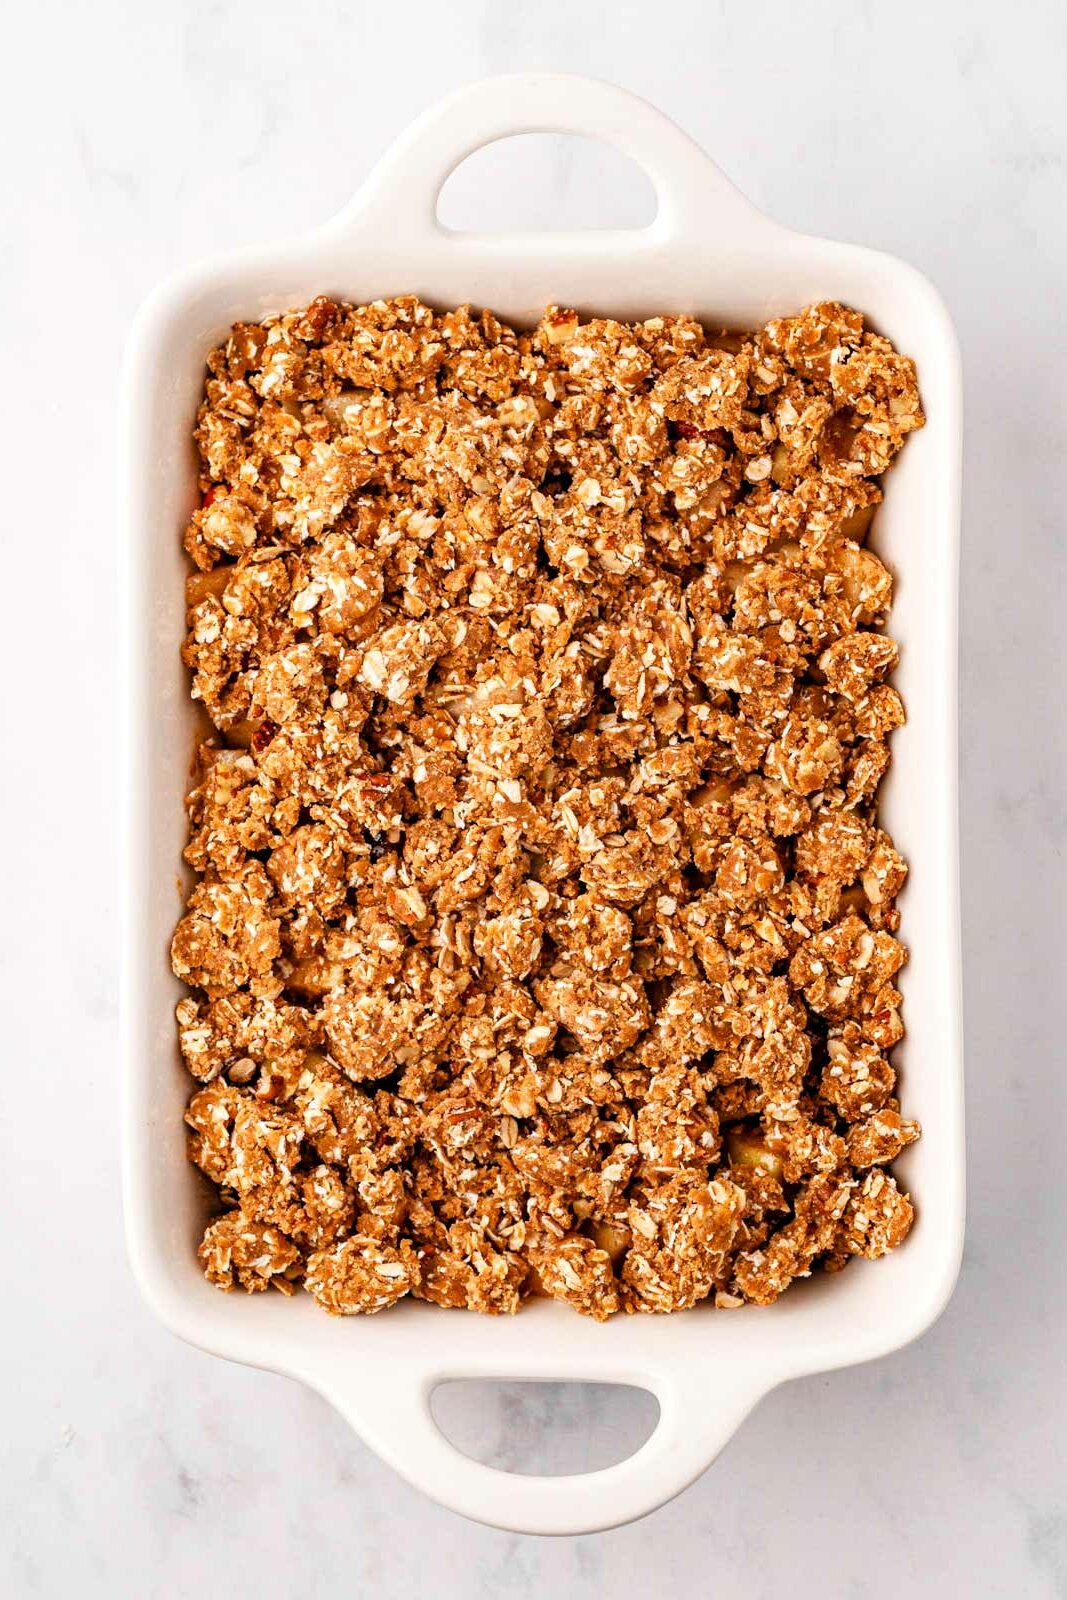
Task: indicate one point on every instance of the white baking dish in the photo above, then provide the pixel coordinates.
(710, 253)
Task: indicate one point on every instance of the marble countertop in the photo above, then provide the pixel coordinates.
(137, 137)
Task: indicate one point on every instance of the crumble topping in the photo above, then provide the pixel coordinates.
(543, 938)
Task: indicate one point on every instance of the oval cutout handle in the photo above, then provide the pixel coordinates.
(698, 1415)
(401, 193)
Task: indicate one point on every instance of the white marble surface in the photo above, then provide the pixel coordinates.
(136, 136)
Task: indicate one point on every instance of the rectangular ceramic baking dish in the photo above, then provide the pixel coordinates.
(709, 253)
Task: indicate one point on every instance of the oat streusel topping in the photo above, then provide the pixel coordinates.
(543, 936)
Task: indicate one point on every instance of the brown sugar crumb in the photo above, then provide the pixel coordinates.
(360, 1274)
(543, 938)
(578, 1271)
(238, 1249)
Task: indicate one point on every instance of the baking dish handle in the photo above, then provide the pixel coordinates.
(698, 1415)
(695, 200)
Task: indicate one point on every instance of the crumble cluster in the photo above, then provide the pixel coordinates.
(543, 933)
